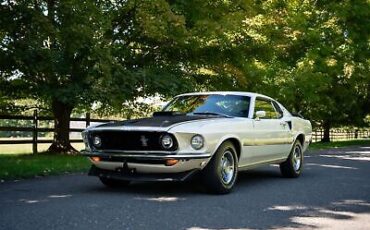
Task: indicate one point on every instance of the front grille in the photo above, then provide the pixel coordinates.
(130, 140)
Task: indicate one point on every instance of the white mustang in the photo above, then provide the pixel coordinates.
(215, 134)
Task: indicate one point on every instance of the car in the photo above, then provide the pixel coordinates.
(212, 134)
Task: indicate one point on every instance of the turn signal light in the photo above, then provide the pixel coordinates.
(95, 159)
(171, 162)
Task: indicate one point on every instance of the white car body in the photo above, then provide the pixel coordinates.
(257, 141)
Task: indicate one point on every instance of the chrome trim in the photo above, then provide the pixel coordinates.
(151, 156)
(145, 152)
(266, 142)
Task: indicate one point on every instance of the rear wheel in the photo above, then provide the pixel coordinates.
(292, 167)
(114, 183)
(220, 174)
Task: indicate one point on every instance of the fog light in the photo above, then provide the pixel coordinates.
(171, 162)
(95, 159)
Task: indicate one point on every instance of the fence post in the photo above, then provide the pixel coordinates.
(87, 120)
(34, 133)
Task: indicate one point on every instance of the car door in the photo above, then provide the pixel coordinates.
(271, 132)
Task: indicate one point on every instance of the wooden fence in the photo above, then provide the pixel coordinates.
(341, 134)
(335, 134)
(35, 129)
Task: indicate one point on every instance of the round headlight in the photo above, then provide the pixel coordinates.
(97, 141)
(197, 142)
(167, 141)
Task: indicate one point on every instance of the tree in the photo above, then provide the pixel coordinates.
(318, 59)
(72, 54)
(328, 78)
(55, 52)
(66, 55)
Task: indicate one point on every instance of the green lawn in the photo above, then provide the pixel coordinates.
(18, 166)
(27, 148)
(338, 144)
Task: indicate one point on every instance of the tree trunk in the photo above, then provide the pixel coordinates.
(326, 126)
(62, 116)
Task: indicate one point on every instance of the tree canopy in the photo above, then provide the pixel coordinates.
(313, 56)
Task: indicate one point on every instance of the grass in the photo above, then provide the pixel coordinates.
(20, 166)
(18, 162)
(338, 144)
(27, 148)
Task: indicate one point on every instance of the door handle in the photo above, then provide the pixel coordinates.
(283, 123)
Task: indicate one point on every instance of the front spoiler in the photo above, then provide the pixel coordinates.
(130, 175)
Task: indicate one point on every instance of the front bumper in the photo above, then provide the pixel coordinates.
(144, 154)
(147, 162)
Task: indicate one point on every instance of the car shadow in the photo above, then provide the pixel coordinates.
(189, 187)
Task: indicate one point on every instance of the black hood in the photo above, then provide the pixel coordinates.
(159, 121)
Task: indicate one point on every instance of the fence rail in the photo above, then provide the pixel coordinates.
(341, 134)
(35, 129)
(317, 135)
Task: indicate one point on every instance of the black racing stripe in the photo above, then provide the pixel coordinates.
(158, 121)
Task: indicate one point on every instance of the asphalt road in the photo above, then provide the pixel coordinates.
(332, 193)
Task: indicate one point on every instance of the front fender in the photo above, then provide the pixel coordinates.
(233, 138)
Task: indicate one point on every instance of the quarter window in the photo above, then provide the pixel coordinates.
(268, 107)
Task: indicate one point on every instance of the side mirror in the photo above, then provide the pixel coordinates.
(260, 114)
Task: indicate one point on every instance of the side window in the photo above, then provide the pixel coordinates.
(268, 107)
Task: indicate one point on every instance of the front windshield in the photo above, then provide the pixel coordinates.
(229, 105)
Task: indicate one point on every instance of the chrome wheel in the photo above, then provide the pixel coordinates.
(227, 167)
(297, 158)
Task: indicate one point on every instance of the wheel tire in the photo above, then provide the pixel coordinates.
(292, 167)
(220, 174)
(114, 183)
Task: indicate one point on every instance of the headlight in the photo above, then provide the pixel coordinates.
(167, 141)
(97, 141)
(197, 142)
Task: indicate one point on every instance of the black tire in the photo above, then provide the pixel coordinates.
(289, 168)
(114, 183)
(214, 176)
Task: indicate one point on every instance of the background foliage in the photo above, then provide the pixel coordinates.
(72, 55)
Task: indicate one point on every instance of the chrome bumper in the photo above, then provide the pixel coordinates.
(140, 162)
(144, 154)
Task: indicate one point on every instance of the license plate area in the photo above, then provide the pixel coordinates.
(125, 169)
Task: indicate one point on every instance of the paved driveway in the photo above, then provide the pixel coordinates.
(333, 192)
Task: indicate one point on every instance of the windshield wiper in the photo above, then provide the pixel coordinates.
(211, 113)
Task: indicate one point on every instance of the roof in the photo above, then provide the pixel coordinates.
(239, 93)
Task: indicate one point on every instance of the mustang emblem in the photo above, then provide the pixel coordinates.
(144, 141)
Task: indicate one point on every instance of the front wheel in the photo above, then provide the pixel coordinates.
(292, 167)
(220, 174)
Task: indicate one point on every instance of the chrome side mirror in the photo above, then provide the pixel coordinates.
(260, 114)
